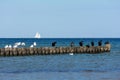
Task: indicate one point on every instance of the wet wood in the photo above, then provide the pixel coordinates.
(53, 50)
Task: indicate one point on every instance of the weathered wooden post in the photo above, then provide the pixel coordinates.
(15, 53)
(39, 51)
(61, 50)
(31, 51)
(2, 52)
(7, 52)
(108, 45)
(57, 50)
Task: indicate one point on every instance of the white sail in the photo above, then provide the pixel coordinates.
(37, 35)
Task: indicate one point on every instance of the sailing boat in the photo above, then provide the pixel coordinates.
(37, 35)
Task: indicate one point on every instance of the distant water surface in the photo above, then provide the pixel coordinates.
(105, 66)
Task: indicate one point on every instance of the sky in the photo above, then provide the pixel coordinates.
(60, 18)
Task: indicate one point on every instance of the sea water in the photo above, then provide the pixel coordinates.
(104, 66)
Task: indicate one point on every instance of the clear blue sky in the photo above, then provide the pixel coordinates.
(60, 18)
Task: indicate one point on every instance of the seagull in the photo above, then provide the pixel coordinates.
(6, 46)
(31, 46)
(18, 43)
(15, 46)
(34, 44)
(9, 46)
(23, 44)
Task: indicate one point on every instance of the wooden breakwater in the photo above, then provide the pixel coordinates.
(53, 50)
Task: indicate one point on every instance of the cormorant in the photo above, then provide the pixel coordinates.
(53, 44)
(100, 43)
(92, 43)
(81, 43)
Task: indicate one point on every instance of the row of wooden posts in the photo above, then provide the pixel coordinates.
(52, 50)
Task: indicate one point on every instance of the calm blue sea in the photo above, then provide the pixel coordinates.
(105, 66)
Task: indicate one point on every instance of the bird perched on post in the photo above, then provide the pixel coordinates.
(53, 44)
(92, 43)
(81, 43)
(100, 43)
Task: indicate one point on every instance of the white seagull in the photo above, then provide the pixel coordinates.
(9, 46)
(18, 43)
(23, 44)
(15, 46)
(31, 46)
(34, 44)
(6, 46)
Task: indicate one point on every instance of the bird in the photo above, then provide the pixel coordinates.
(6, 46)
(9, 46)
(23, 44)
(34, 44)
(18, 43)
(81, 43)
(15, 46)
(92, 43)
(31, 46)
(100, 43)
(53, 44)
